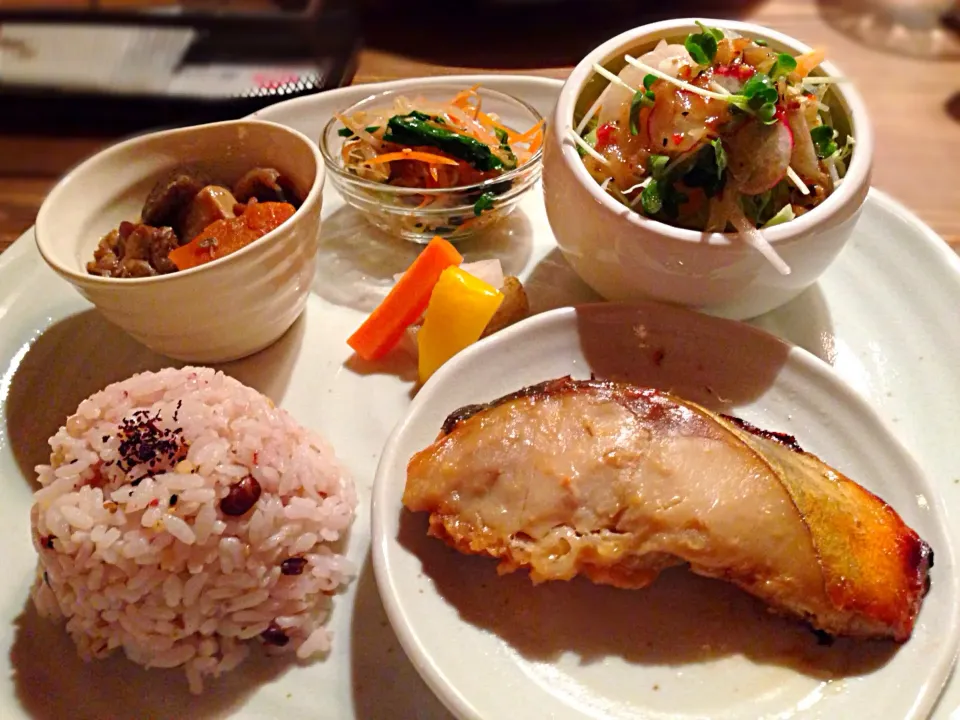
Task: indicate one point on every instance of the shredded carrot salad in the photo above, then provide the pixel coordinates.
(418, 143)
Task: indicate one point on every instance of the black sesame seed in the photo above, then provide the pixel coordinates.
(143, 442)
(664, 142)
(173, 499)
(293, 566)
(105, 438)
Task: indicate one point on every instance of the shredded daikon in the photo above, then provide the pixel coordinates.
(636, 200)
(594, 109)
(796, 180)
(824, 80)
(615, 79)
(638, 186)
(586, 147)
(719, 88)
(361, 132)
(832, 169)
(755, 239)
(679, 83)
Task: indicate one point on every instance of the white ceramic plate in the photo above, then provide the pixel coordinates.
(687, 647)
(883, 316)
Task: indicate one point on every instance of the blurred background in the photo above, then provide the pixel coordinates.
(76, 75)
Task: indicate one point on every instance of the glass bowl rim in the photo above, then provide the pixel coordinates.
(335, 168)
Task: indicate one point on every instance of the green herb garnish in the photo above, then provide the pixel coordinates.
(784, 65)
(504, 137)
(755, 206)
(641, 99)
(707, 169)
(823, 140)
(720, 155)
(785, 214)
(414, 129)
(767, 113)
(590, 139)
(759, 96)
(761, 43)
(347, 132)
(485, 202)
(702, 46)
(649, 80)
(660, 195)
(650, 198)
(656, 164)
(760, 89)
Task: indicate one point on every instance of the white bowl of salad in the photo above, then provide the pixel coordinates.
(715, 164)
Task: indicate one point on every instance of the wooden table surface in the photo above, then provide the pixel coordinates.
(915, 102)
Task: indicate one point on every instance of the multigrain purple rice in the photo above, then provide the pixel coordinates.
(135, 549)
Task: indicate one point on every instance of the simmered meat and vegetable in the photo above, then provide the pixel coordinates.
(188, 219)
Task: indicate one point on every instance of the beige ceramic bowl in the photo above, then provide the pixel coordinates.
(219, 311)
(625, 256)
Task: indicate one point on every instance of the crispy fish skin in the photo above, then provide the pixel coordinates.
(617, 483)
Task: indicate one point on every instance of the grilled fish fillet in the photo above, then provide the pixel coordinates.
(616, 483)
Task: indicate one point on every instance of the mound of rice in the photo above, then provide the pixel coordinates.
(183, 514)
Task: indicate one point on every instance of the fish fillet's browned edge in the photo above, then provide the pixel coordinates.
(916, 554)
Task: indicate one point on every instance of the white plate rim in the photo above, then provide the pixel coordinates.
(381, 509)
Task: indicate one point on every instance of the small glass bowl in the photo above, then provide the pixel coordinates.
(409, 213)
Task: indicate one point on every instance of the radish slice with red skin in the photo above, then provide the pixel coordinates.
(758, 155)
(615, 99)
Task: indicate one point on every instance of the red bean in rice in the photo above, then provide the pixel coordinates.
(136, 551)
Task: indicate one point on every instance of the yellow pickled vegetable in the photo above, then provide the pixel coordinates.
(459, 310)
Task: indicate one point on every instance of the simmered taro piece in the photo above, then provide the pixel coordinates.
(212, 203)
(266, 185)
(170, 197)
(134, 251)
